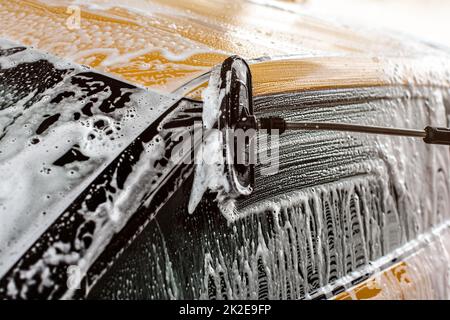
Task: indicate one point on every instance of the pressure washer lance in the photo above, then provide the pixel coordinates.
(236, 112)
(430, 135)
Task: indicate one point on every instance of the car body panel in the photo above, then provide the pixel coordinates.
(177, 42)
(173, 45)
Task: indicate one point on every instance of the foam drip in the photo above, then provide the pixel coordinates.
(351, 205)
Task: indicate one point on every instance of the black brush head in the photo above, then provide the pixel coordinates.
(238, 125)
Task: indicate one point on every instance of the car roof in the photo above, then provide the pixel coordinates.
(165, 44)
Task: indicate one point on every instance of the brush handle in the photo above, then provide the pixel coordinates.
(435, 135)
(430, 135)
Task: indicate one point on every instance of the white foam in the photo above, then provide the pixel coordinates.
(34, 191)
(28, 56)
(209, 161)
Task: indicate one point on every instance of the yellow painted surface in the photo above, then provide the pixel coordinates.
(371, 289)
(419, 275)
(114, 41)
(164, 44)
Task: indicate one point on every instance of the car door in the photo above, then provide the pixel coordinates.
(342, 211)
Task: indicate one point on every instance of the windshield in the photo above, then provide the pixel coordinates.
(60, 125)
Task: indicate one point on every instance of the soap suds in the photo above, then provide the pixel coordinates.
(209, 160)
(350, 206)
(132, 183)
(58, 130)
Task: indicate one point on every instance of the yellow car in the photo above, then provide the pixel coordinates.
(114, 185)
